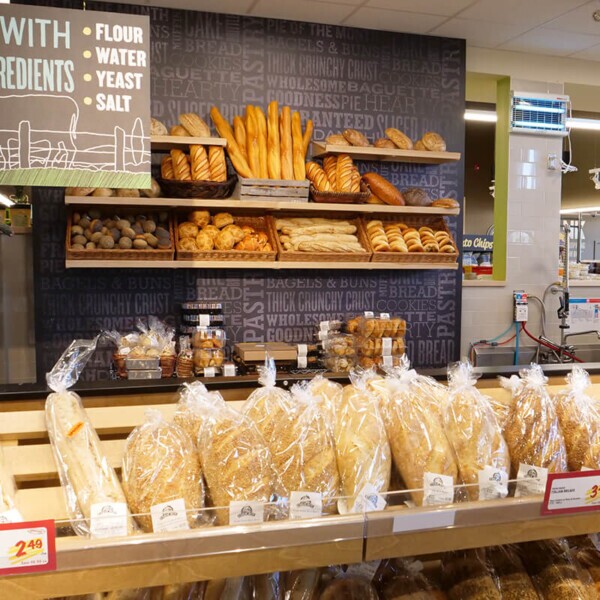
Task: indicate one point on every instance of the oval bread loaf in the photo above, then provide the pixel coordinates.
(383, 189)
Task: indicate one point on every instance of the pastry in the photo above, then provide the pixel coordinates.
(221, 220)
(204, 241)
(195, 125)
(336, 139)
(434, 142)
(261, 128)
(179, 131)
(187, 230)
(318, 177)
(186, 244)
(384, 143)
(306, 137)
(166, 168)
(355, 181)
(217, 163)
(286, 142)
(236, 156)
(160, 464)
(383, 189)
(298, 148)
(237, 232)
(330, 168)
(343, 174)
(349, 588)
(211, 230)
(399, 138)
(273, 144)
(181, 165)
(224, 241)
(157, 127)
(445, 203)
(199, 163)
(356, 138)
(199, 217)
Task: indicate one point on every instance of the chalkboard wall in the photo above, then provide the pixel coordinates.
(338, 76)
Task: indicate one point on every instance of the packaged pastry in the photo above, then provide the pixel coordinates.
(185, 358)
(377, 327)
(86, 477)
(349, 588)
(472, 430)
(579, 420)
(363, 454)
(236, 461)
(384, 346)
(268, 587)
(303, 448)
(532, 430)
(379, 362)
(512, 578)
(339, 345)
(161, 474)
(208, 357)
(467, 577)
(208, 337)
(338, 364)
(8, 508)
(404, 579)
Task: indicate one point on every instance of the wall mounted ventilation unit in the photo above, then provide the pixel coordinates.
(541, 114)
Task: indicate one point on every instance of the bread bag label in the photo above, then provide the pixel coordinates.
(386, 346)
(302, 362)
(437, 489)
(169, 516)
(209, 372)
(302, 350)
(493, 483)
(369, 499)
(305, 505)
(324, 325)
(387, 360)
(241, 512)
(531, 480)
(11, 516)
(203, 320)
(108, 519)
(385, 316)
(229, 370)
(369, 314)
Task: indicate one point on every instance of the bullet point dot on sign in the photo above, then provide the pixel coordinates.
(87, 77)
(87, 54)
(87, 31)
(87, 100)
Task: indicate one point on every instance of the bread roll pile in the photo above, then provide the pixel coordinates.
(201, 164)
(349, 137)
(393, 236)
(430, 141)
(266, 146)
(190, 125)
(204, 232)
(305, 234)
(338, 174)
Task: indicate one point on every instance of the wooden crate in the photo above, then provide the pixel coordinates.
(277, 189)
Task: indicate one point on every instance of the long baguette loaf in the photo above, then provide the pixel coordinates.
(273, 145)
(298, 148)
(252, 141)
(85, 474)
(261, 122)
(239, 131)
(287, 160)
(235, 154)
(307, 136)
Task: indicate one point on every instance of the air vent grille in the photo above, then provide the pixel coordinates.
(539, 113)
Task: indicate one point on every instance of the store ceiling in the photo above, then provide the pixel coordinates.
(551, 27)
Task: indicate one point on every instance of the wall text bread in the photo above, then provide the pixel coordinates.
(400, 139)
(383, 189)
(235, 154)
(273, 141)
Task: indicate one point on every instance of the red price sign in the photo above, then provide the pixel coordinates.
(27, 547)
(572, 492)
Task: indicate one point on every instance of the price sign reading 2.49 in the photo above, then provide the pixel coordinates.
(27, 547)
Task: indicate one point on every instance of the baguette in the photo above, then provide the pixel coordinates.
(199, 160)
(355, 181)
(287, 162)
(239, 131)
(166, 168)
(307, 136)
(330, 168)
(273, 146)
(217, 163)
(252, 141)
(383, 189)
(261, 123)
(181, 165)
(235, 154)
(318, 177)
(298, 148)
(343, 174)
(85, 474)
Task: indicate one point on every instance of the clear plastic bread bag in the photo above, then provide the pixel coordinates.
(327, 392)
(467, 576)
(268, 586)
(421, 452)
(348, 588)
(302, 585)
(190, 408)
(89, 482)
(9, 512)
(267, 404)
(503, 404)
(363, 453)
(235, 458)
(303, 448)
(511, 577)
(405, 579)
(473, 431)
(532, 431)
(161, 476)
(579, 420)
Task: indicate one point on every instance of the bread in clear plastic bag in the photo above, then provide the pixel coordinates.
(503, 405)
(325, 389)
(189, 409)
(532, 430)
(467, 577)
(268, 586)
(237, 588)
(9, 511)
(303, 449)
(579, 420)
(472, 429)
(512, 578)
(85, 474)
(375, 347)
(349, 588)
(377, 327)
(363, 453)
(302, 585)
(235, 458)
(404, 579)
(588, 556)
(160, 464)
(131, 594)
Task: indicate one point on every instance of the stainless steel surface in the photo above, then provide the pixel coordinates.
(504, 356)
(139, 364)
(145, 374)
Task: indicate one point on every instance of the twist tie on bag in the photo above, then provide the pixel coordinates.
(302, 394)
(513, 384)
(65, 373)
(153, 417)
(360, 377)
(534, 377)
(267, 373)
(461, 376)
(578, 381)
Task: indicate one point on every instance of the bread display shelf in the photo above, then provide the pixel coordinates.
(319, 149)
(259, 203)
(167, 142)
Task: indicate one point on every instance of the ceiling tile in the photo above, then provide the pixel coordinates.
(547, 41)
(592, 53)
(530, 12)
(483, 34)
(392, 20)
(430, 7)
(579, 20)
(303, 10)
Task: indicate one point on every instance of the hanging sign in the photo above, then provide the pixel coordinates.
(74, 98)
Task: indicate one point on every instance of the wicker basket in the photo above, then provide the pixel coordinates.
(320, 257)
(198, 189)
(259, 223)
(118, 253)
(436, 223)
(167, 365)
(341, 197)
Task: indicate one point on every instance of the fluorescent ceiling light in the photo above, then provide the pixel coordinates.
(484, 116)
(544, 109)
(590, 124)
(576, 211)
(489, 116)
(5, 201)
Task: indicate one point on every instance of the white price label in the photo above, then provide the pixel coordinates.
(531, 480)
(438, 489)
(204, 320)
(369, 499)
(572, 492)
(209, 372)
(229, 370)
(302, 350)
(369, 314)
(386, 346)
(108, 519)
(493, 483)
(305, 505)
(324, 325)
(241, 512)
(385, 316)
(421, 522)
(323, 335)
(387, 361)
(169, 516)
(11, 516)
(302, 362)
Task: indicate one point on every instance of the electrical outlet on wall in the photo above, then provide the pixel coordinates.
(520, 306)
(553, 164)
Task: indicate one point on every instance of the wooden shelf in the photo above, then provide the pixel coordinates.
(319, 149)
(257, 264)
(166, 142)
(259, 204)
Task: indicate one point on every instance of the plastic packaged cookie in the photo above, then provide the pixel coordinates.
(208, 357)
(379, 327)
(339, 345)
(385, 346)
(208, 337)
(338, 364)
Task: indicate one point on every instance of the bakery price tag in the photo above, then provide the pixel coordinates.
(369, 314)
(169, 516)
(572, 493)
(229, 370)
(531, 480)
(302, 362)
(305, 505)
(369, 499)
(108, 519)
(324, 325)
(438, 489)
(27, 547)
(203, 321)
(302, 350)
(385, 316)
(493, 483)
(209, 372)
(241, 512)
(386, 346)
